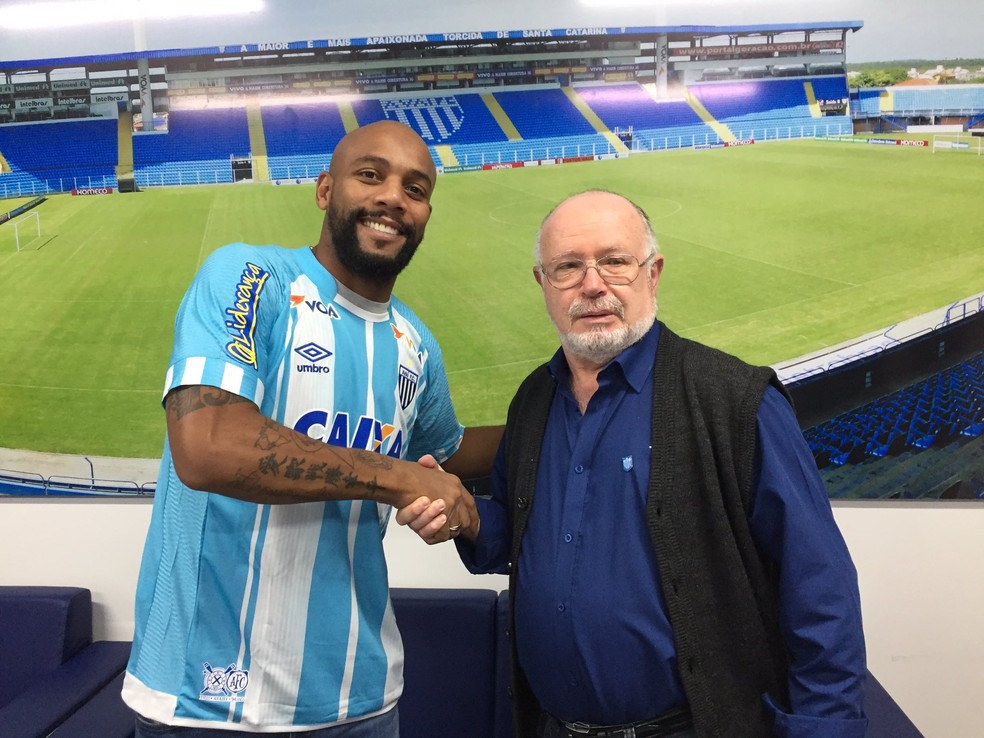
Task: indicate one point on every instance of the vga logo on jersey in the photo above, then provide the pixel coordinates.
(369, 434)
(313, 353)
(315, 306)
(228, 685)
(242, 314)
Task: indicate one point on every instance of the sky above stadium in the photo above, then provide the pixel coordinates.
(903, 29)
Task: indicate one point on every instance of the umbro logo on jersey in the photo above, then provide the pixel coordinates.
(313, 353)
(315, 306)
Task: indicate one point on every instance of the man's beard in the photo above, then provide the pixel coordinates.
(363, 263)
(601, 345)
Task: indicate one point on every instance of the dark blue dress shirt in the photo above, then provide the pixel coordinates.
(591, 626)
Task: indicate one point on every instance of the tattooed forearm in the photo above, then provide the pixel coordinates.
(374, 460)
(252, 487)
(184, 400)
(297, 468)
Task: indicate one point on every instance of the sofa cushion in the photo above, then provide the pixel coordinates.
(40, 629)
(48, 702)
(449, 645)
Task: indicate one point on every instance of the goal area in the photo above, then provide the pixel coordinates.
(958, 142)
(27, 232)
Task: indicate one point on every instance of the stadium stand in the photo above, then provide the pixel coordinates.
(53, 157)
(938, 409)
(196, 148)
(300, 138)
(544, 113)
(630, 106)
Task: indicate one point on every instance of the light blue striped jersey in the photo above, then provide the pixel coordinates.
(270, 616)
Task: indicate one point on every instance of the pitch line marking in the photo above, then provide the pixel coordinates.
(539, 360)
(76, 389)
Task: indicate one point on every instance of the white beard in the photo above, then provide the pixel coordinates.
(601, 345)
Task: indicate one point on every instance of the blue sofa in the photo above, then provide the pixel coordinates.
(54, 681)
(49, 666)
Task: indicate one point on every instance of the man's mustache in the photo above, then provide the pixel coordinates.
(609, 303)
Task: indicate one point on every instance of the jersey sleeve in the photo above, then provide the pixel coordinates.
(436, 429)
(221, 328)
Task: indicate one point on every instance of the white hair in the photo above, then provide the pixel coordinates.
(651, 244)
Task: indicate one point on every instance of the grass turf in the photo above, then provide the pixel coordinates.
(772, 251)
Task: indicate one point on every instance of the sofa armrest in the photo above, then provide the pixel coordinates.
(885, 718)
(45, 705)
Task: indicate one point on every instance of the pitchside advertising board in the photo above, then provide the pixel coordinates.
(92, 191)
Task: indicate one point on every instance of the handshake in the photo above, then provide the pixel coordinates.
(449, 512)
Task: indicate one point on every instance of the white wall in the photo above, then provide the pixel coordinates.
(921, 567)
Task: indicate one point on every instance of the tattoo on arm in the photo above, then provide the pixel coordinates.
(285, 453)
(188, 399)
(335, 476)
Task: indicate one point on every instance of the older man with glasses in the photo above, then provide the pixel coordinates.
(674, 566)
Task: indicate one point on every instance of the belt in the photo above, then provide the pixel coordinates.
(666, 724)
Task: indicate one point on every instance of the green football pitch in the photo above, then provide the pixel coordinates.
(772, 251)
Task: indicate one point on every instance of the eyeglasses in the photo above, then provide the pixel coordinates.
(616, 269)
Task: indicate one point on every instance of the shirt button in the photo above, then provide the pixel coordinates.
(568, 538)
(579, 469)
(561, 608)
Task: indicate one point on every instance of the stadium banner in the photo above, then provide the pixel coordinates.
(4, 217)
(917, 142)
(535, 162)
(529, 33)
(33, 104)
(72, 102)
(526, 72)
(702, 147)
(104, 97)
(756, 49)
(92, 191)
(70, 84)
(294, 181)
(740, 142)
(32, 87)
(97, 83)
(252, 87)
(951, 145)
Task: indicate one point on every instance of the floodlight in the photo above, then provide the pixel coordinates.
(43, 15)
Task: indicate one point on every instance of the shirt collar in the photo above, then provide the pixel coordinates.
(635, 362)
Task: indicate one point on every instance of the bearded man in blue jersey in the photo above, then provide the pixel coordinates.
(674, 566)
(296, 386)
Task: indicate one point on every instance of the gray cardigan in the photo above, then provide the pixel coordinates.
(720, 594)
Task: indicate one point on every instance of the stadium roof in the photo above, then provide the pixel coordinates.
(675, 33)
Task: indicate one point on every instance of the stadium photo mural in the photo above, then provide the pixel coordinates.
(816, 201)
